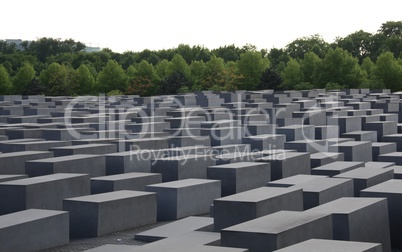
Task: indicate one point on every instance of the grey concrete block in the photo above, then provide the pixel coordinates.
(362, 135)
(94, 165)
(92, 149)
(336, 168)
(240, 177)
(354, 150)
(182, 167)
(277, 231)
(323, 158)
(297, 132)
(100, 214)
(380, 148)
(326, 132)
(249, 205)
(395, 157)
(294, 180)
(346, 123)
(366, 177)
(394, 138)
(311, 146)
(41, 193)
(5, 178)
(265, 142)
(382, 128)
(392, 190)
(318, 245)
(177, 228)
(183, 198)
(33, 230)
(322, 190)
(14, 163)
(292, 163)
(351, 214)
(135, 181)
(33, 146)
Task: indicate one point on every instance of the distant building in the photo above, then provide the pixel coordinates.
(92, 49)
(17, 43)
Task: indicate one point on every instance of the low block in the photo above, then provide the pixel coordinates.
(278, 230)
(318, 245)
(33, 230)
(249, 205)
(183, 198)
(240, 177)
(44, 192)
(135, 181)
(100, 214)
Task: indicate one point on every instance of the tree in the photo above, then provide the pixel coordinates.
(112, 77)
(161, 69)
(85, 80)
(299, 47)
(367, 65)
(55, 80)
(213, 73)
(309, 66)
(23, 78)
(292, 75)
(174, 82)
(178, 64)
(339, 66)
(197, 69)
(270, 80)
(5, 81)
(228, 53)
(276, 57)
(143, 79)
(388, 72)
(391, 28)
(251, 65)
(359, 44)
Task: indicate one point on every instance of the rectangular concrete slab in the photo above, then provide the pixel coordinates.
(245, 206)
(94, 165)
(135, 181)
(240, 177)
(278, 230)
(33, 230)
(44, 192)
(318, 245)
(100, 214)
(183, 198)
(177, 228)
(350, 214)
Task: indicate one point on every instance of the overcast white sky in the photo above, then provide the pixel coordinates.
(123, 25)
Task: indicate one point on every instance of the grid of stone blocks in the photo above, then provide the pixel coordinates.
(266, 170)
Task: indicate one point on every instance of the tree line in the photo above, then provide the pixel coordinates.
(54, 67)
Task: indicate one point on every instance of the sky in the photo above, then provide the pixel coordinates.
(124, 25)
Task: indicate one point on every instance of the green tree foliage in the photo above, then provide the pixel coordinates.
(197, 69)
(173, 83)
(143, 79)
(178, 64)
(228, 53)
(55, 80)
(359, 44)
(292, 75)
(251, 65)
(309, 66)
(85, 80)
(161, 69)
(213, 73)
(270, 79)
(299, 47)
(388, 72)
(112, 77)
(23, 78)
(339, 66)
(352, 61)
(5, 81)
